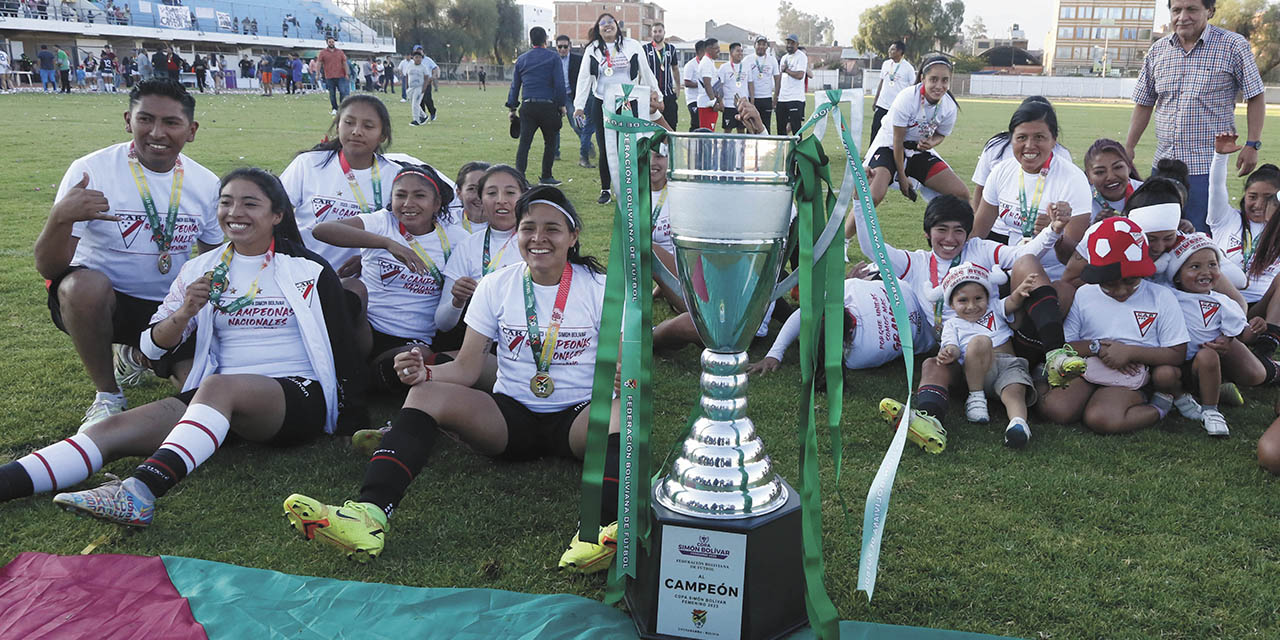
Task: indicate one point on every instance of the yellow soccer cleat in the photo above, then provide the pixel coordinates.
(1063, 365)
(587, 557)
(358, 528)
(923, 429)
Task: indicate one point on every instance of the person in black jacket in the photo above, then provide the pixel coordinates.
(167, 61)
(571, 62)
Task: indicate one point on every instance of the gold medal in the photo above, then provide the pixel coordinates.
(541, 384)
(608, 71)
(164, 263)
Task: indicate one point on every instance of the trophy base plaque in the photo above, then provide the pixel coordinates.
(720, 578)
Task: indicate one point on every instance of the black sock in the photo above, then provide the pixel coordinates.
(397, 461)
(609, 488)
(1046, 316)
(1268, 341)
(932, 399)
(161, 471)
(14, 482)
(1269, 366)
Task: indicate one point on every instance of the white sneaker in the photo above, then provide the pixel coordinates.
(975, 408)
(1215, 423)
(1017, 433)
(1189, 408)
(101, 409)
(404, 100)
(128, 371)
(333, 112)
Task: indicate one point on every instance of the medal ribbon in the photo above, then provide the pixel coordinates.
(543, 351)
(218, 281)
(894, 74)
(161, 232)
(1029, 214)
(422, 253)
(930, 124)
(486, 266)
(355, 186)
(1246, 244)
(1103, 204)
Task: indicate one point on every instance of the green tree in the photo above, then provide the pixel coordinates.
(811, 28)
(412, 21)
(508, 36)
(1259, 22)
(924, 25)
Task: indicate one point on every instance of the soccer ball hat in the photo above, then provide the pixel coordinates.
(1186, 246)
(1116, 248)
(968, 272)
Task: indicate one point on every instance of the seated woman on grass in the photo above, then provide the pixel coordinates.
(1132, 331)
(273, 363)
(402, 254)
(544, 313)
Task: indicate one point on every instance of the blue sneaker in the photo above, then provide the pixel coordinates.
(1017, 434)
(124, 502)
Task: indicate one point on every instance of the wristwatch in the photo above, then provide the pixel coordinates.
(1254, 144)
(1095, 347)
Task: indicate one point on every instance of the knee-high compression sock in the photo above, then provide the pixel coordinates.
(609, 488)
(1269, 340)
(193, 440)
(1046, 316)
(1269, 366)
(397, 461)
(933, 400)
(56, 466)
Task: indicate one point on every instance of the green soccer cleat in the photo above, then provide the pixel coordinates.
(1063, 365)
(587, 557)
(365, 441)
(923, 430)
(357, 528)
(1229, 395)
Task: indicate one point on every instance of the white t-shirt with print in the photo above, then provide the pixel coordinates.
(894, 77)
(792, 89)
(761, 70)
(467, 260)
(706, 69)
(497, 312)
(993, 324)
(1151, 317)
(662, 223)
(994, 154)
(920, 118)
(733, 78)
(266, 326)
(690, 72)
(924, 270)
(401, 302)
(1209, 315)
(123, 250)
(320, 192)
(875, 336)
(1065, 182)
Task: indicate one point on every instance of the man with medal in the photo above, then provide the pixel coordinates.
(763, 79)
(733, 85)
(123, 223)
(896, 74)
(709, 103)
(661, 58)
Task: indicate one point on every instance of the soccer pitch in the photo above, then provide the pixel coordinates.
(1165, 532)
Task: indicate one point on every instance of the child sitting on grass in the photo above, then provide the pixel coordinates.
(979, 338)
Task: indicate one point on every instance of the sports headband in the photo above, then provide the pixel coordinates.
(572, 225)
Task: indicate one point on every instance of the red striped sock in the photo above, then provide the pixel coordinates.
(62, 464)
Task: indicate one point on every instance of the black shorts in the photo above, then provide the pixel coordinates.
(532, 435)
(384, 342)
(304, 411)
(922, 166)
(131, 318)
(730, 120)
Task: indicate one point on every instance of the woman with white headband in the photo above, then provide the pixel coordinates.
(544, 313)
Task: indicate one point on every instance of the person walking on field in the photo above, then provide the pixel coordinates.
(539, 80)
(571, 63)
(1190, 79)
(896, 74)
(333, 63)
(483, 75)
(415, 77)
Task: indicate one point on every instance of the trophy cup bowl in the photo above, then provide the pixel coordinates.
(729, 199)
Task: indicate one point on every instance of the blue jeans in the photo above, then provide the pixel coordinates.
(1197, 207)
(584, 132)
(48, 79)
(336, 86)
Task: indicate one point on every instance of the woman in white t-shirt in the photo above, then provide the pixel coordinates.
(481, 254)
(1241, 232)
(997, 149)
(344, 176)
(470, 214)
(1112, 177)
(1130, 328)
(403, 252)
(664, 247)
(1025, 190)
(544, 314)
(921, 117)
(611, 59)
(272, 363)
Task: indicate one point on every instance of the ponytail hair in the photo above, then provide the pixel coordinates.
(556, 196)
(939, 59)
(1176, 172)
(285, 231)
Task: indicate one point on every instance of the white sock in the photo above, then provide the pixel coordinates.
(197, 435)
(62, 463)
(114, 398)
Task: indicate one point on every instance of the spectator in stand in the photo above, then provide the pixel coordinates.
(333, 61)
(48, 69)
(253, 26)
(124, 15)
(167, 62)
(64, 68)
(539, 81)
(1190, 79)
(284, 27)
(244, 25)
(319, 23)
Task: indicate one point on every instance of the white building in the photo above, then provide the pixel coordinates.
(535, 16)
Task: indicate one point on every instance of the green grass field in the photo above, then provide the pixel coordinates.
(1164, 533)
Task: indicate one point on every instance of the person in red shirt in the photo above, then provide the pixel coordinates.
(333, 64)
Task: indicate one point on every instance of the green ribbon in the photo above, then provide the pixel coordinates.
(626, 322)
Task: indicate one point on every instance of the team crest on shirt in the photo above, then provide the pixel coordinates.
(134, 225)
(305, 288)
(1145, 320)
(333, 208)
(1209, 309)
(988, 321)
(388, 271)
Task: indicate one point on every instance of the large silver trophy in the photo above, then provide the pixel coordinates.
(725, 555)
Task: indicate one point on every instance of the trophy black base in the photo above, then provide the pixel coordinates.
(709, 578)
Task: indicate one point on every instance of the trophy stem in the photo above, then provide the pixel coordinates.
(723, 470)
